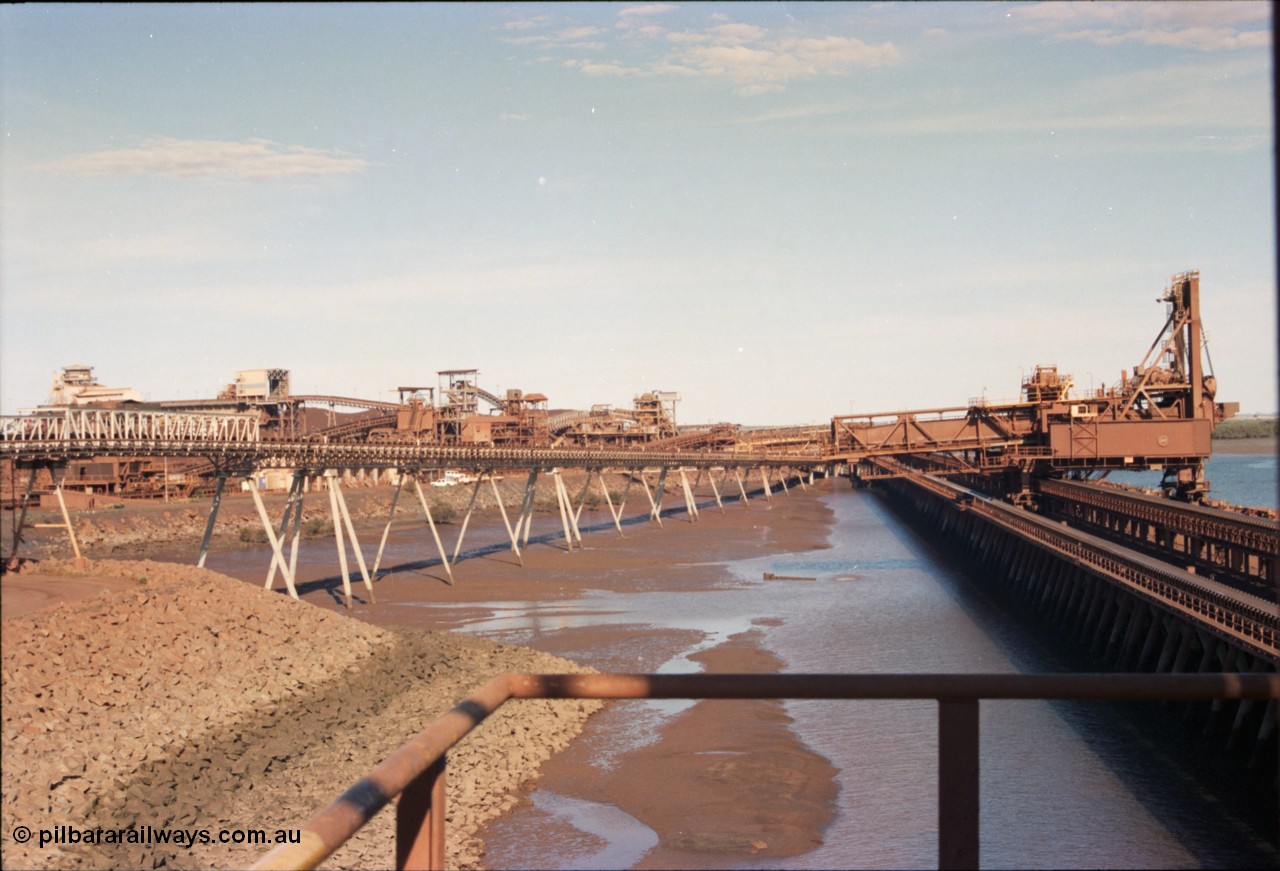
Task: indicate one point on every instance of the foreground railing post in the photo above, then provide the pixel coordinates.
(405, 772)
(420, 821)
(957, 783)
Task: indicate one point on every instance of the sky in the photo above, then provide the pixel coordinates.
(781, 211)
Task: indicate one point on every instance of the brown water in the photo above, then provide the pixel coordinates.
(1062, 785)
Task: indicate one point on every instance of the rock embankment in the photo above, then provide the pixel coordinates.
(196, 701)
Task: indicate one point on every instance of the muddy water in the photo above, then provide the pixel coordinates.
(1062, 785)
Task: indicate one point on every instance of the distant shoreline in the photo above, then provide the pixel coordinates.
(1266, 445)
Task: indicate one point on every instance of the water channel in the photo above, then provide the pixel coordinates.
(1063, 785)
(1076, 785)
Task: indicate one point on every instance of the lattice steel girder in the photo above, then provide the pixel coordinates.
(237, 457)
(98, 424)
(953, 429)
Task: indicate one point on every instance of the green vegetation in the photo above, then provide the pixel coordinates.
(253, 534)
(317, 527)
(1246, 428)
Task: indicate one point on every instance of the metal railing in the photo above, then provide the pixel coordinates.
(416, 771)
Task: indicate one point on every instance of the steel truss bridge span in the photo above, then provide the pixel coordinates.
(233, 442)
(232, 446)
(242, 456)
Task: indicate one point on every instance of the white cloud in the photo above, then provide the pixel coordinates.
(1202, 38)
(606, 69)
(513, 116)
(527, 40)
(736, 33)
(752, 58)
(646, 9)
(525, 23)
(1145, 14)
(1207, 103)
(255, 159)
(770, 65)
(1200, 26)
(652, 31)
(682, 36)
(178, 246)
(818, 110)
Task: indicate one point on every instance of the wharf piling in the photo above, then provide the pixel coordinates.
(1104, 622)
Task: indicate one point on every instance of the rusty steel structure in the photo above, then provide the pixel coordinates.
(1027, 453)
(1162, 416)
(1248, 620)
(1162, 586)
(651, 420)
(416, 773)
(1231, 547)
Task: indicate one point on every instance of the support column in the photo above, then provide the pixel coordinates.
(711, 476)
(655, 508)
(292, 512)
(213, 515)
(742, 489)
(355, 543)
(571, 533)
(336, 516)
(691, 504)
(426, 509)
(660, 489)
(277, 554)
(466, 518)
(1125, 607)
(764, 479)
(13, 563)
(71, 530)
(1137, 613)
(300, 482)
(1265, 730)
(1184, 648)
(626, 492)
(616, 515)
(513, 534)
(1153, 634)
(395, 499)
(582, 496)
(526, 508)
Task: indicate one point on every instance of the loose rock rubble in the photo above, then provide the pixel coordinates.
(195, 700)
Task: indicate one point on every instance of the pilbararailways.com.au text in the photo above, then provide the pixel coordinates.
(147, 835)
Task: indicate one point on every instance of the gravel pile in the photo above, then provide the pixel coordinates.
(198, 701)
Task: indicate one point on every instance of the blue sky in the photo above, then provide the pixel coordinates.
(783, 211)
